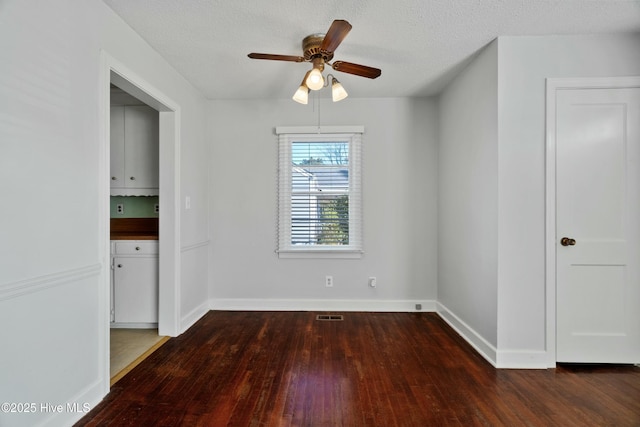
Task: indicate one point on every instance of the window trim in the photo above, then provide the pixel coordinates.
(353, 134)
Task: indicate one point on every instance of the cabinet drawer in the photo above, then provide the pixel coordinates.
(136, 247)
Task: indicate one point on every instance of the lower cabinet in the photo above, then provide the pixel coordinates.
(134, 279)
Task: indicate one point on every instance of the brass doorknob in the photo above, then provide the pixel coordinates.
(566, 241)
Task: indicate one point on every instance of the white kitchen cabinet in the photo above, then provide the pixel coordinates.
(134, 151)
(134, 298)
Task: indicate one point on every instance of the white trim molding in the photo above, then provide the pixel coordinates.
(397, 306)
(193, 316)
(36, 284)
(477, 341)
(90, 396)
(498, 358)
(521, 359)
(194, 246)
(318, 129)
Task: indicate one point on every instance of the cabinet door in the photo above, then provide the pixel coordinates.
(135, 289)
(117, 147)
(141, 134)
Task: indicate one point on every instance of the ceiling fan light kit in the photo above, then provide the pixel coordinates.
(318, 49)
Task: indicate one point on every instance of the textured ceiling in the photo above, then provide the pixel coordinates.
(418, 44)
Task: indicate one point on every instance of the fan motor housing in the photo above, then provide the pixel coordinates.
(311, 48)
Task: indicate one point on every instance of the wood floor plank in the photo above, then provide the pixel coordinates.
(371, 369)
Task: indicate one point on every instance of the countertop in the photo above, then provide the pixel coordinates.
(134, 229)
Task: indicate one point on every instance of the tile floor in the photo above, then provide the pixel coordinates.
(129, 344)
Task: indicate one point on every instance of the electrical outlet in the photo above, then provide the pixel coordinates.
(373, 282)
(328, 281)
(120, 209)
(418, 307)
(156, 208)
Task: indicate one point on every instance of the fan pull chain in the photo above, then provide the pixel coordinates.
(318, 101)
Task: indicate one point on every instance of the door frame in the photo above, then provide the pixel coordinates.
(113, 71)
(553, 85)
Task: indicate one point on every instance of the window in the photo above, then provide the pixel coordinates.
(319, 192)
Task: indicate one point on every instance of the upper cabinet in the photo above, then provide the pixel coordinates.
(134, 151)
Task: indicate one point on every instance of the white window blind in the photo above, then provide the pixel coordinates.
(319, 194)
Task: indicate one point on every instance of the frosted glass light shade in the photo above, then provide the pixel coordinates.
(315, 81)
(338, 93)
(301, 95)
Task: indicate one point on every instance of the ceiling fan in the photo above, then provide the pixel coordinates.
(318, 49)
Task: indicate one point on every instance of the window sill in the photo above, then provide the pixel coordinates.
(320, 254)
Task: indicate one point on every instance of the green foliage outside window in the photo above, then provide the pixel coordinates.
(334, 221)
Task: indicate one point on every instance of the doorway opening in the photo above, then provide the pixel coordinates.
(134, 209)
(168, 252)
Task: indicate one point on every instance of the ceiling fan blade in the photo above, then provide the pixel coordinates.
(290, 58)
(358, 70)
(337, 32)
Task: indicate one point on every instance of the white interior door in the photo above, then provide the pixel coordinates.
(598, 211)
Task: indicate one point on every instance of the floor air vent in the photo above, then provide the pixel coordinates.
(330, 317)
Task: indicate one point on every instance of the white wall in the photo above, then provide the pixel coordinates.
(399, 182)
(468, 202)
(52, 259)
(53, 334)
(524, 63)
(492, 187)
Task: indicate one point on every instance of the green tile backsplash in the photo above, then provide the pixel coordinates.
(134, 206)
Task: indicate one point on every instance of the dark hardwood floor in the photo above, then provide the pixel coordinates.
(372, 369)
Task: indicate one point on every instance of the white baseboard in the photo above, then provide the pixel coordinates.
(68, 413)
(501, 359)
(481, 345)
(522, 359)
(193, 316)
(243, 304)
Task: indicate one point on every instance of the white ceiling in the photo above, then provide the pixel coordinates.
(418, 44)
